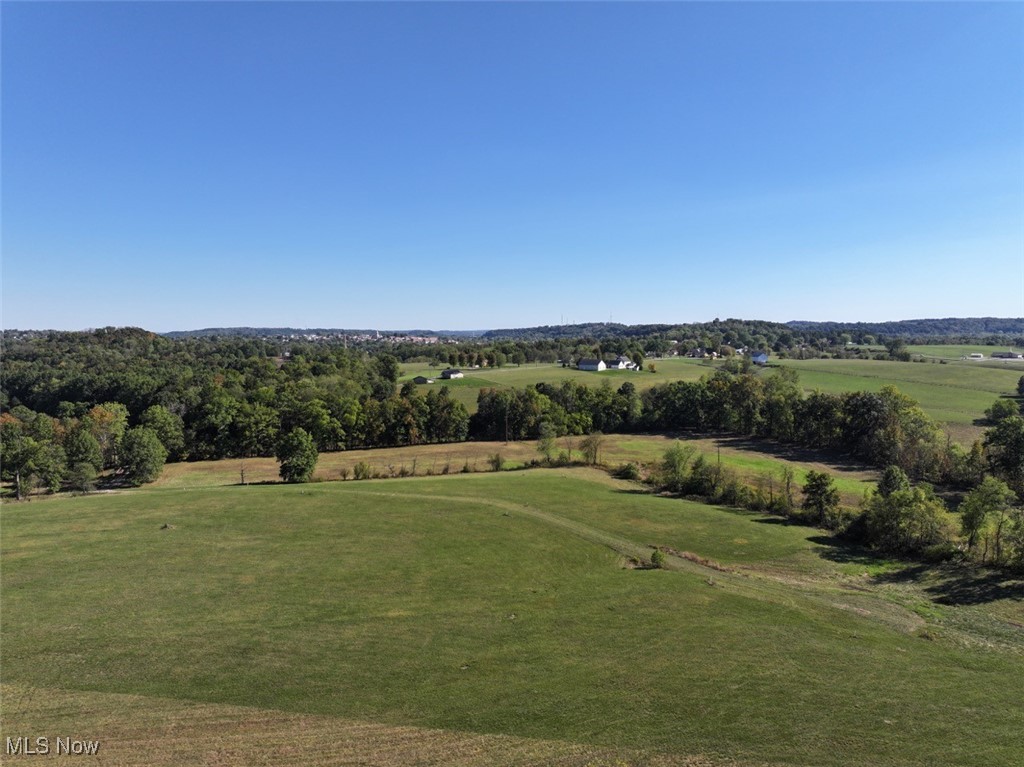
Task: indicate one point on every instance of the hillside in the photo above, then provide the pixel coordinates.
(493, 619)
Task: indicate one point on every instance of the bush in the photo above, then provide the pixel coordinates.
(657, 559)
(629, 470)
(496, 461)
(940, 552)
(841, 519)
(343, 472)
(82, 477)
(361, 470)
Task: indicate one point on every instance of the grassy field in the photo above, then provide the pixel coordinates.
(465, 389)
(955, 394)
(752, 460)
(489, 619)
(955, 352)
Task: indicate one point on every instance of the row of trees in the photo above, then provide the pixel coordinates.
(881, 428)
(897, 517)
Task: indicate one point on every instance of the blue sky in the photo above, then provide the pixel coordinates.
(466, 166)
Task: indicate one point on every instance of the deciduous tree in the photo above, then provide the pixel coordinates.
(297, 455)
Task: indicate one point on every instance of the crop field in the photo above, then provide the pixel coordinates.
(752, 460)
(490, 619)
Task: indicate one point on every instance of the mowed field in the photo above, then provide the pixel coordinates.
(490, 619)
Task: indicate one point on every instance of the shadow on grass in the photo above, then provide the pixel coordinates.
(950, 585)
(836, 549)
(793, 453)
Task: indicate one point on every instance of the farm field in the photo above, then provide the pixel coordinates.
(955, 394)
(511, 376)
(490, 619)
(956, 351)
(750, 459)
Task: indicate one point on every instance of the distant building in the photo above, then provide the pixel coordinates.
(591, 364)
(976, 356)
(1007, 355)
(422, 380)
(451, 373)
(759, 358)
(621, 363)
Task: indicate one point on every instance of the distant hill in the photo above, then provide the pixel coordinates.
(974, 327)
(247, 332)
(945, 328)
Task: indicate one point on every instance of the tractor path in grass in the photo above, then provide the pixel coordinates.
(763, 584)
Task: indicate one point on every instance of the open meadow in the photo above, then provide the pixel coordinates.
(517, 376)
(490, 619)
(752, 460)
(955, 394)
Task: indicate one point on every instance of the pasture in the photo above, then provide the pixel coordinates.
(955, 394)
(512, 376)
(490, 619)
(957, 351)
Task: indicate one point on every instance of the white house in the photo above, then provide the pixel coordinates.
(759, 358)
(451, 373)
(591, 364)
(621, 363)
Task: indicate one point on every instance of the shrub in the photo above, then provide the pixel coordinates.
(658, 559)
(361, 470)
(629, 470)
(496, 461)
(343, 472)
(82, 477)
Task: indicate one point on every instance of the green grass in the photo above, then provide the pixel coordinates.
(956, 394)
(499, 604)
(465, 389)
(751, 460)
(956, 351)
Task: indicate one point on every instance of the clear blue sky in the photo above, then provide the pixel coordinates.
(452, 165)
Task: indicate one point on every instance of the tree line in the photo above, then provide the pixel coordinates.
(209, 398)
